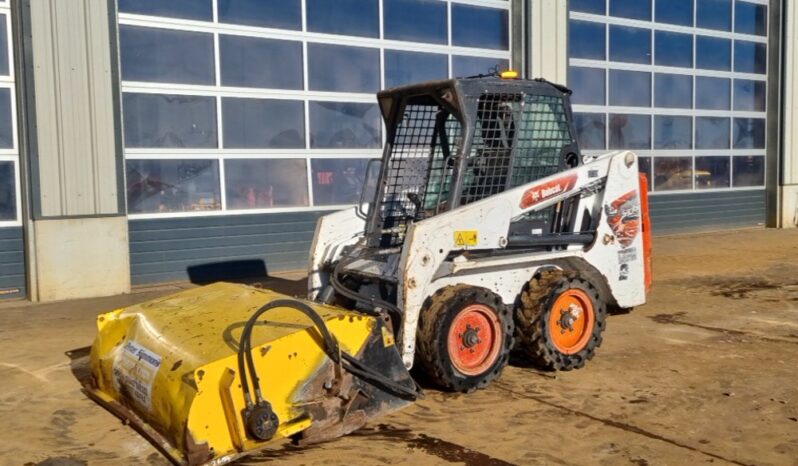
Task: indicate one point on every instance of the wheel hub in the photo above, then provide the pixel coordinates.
(471, 336)
(568, 316)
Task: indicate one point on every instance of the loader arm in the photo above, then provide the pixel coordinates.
(441, 250)
(333, 232)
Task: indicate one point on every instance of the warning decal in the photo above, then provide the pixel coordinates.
(134, 371)
(465, 237)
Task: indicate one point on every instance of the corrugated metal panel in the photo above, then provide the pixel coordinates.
(549, 40)
(225, 247)
(219, 247)
(77, 160)
(12, 263)
(706, 211)
(790, 94)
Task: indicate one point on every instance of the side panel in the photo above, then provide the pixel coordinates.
(333, 232)
(679, 213)
(12, 263)
(219, 247)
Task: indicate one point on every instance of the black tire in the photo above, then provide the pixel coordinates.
(533, 317)
(435, 321)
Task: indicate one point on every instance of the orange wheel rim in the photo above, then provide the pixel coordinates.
(475, 339)
(571, 321)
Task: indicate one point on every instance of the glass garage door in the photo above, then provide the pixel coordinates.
(251, 106)
(681, 82)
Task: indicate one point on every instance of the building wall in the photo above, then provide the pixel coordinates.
(210, 248)
(693, 212)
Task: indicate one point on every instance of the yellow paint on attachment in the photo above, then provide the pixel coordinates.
(173, 363)
(466, 237)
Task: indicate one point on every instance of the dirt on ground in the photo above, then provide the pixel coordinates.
(704, 373)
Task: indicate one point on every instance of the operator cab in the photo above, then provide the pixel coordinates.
(454, 142)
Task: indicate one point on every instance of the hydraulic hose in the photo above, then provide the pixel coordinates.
(396, 313)
(331, 349)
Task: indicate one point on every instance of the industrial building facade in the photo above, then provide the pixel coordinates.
(148, 141)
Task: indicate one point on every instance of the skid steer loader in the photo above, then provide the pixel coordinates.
(485, 231)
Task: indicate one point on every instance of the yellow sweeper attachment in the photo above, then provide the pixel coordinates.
(215, 373)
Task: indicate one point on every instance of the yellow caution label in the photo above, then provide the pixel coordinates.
(465, 237)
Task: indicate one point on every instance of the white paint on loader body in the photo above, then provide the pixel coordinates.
(608, 189)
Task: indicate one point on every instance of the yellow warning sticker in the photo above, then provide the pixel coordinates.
(465, 237)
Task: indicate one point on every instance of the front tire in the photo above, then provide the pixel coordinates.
(560, 321)
(465, 335)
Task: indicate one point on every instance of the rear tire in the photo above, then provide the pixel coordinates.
(465, 335)
(560, 321)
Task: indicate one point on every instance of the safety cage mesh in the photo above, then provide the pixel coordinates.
(518, 138)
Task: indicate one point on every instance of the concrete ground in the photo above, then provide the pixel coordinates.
(704, 373)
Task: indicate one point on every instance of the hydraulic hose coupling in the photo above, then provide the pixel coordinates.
(261, 421)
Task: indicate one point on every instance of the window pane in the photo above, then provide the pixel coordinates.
(343, 125)
(750, 57)
(712, 133)
(261, 184)
(712, 93)
(749, 171)
(674, 49)
(749, 95)
(749, 133)
(673, 132)
(413, 67)
(675, 12)
(165, 55)
(161, 120)
(712, 172)
(256, 62)
(671, 173)
(337, 181)
(187, 9)
(750, 18)
(8, 192)
(714, 14)
(630, 131)
(284, 14)
(415, 20)
(343, 69)
(632, 45)
(4, 66)
(6, 120)
(591, 130)
(586, 40)
(630, 88)
(482, 27)
(263, 123)
(463, 66)
(635, 9)
(673, 91)
(172, 186)
(589, 6)
(713, 53)
(350, 17)
(588, 84)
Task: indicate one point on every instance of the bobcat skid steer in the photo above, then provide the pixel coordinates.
(485, 230)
